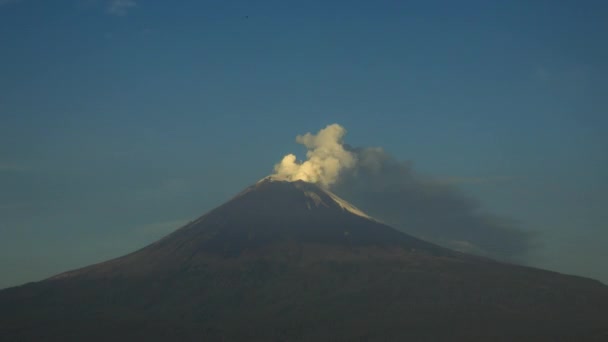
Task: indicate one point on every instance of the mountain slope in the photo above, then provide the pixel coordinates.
(268, 215)
(291, 261)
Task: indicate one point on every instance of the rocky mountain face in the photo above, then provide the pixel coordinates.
(290, 261)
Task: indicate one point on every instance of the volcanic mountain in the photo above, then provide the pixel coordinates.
(290, 261)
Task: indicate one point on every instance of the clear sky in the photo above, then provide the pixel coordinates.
(122, 119)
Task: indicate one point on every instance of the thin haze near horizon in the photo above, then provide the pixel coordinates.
(120, 120)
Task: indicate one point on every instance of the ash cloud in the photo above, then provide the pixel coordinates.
(391, 191)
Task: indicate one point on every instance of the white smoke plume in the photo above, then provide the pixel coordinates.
(393, 192)
(326, 158)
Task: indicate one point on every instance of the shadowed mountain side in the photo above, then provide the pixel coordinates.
(268, 213)
(291, 261)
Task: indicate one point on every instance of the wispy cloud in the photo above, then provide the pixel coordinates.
(8, 2)
(167, 189)
(120, 7)
(475, 180)
(113, 7)
(562, 74)
(10, 167)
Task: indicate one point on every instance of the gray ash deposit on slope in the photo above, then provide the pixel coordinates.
(292, 261)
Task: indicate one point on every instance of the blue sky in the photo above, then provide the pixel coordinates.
(120, 120)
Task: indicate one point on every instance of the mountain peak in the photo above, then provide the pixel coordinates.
(269, 214)
(314, 196)
(282, 252)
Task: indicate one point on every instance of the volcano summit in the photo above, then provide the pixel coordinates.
(292, 261)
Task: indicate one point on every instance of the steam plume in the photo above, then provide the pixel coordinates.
(391, 190)
(326, 157)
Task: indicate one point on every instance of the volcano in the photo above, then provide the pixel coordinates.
(291, 261)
